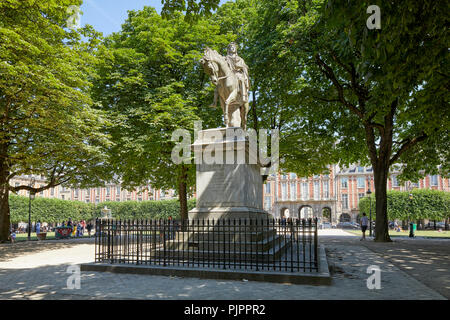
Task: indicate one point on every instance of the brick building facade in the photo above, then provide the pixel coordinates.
(334, 196)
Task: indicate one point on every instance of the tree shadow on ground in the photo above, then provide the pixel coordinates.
(428, 261)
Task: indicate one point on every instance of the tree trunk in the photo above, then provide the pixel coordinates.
(182, 193)
(255, 116)
(4, 204)
(381, 225)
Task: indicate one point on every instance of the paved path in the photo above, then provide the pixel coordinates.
(38, 270)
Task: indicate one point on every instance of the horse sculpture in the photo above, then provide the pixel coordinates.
(228, 89)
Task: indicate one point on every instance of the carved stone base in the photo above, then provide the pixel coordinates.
(231, 189)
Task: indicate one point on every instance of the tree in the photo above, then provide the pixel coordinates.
(194, 9)
(47, 126)
(151, 84)
(347, 94)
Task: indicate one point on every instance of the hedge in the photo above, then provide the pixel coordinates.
(57, 210)
(425, 204)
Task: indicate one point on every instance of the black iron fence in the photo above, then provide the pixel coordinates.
(241, 244)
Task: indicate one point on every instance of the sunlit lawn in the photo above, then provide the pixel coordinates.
(417, 233)
(50, 236)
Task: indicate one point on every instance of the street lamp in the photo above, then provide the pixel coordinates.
(29, 208)
(370, 212)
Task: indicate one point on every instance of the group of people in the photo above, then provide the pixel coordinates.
(79, 228)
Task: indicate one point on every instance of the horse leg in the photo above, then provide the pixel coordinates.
(231, 98)
(216, 93)
(244, 112)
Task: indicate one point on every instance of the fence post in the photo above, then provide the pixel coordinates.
(316, 249)
(137, 241)
(164, 240)
(96, 241)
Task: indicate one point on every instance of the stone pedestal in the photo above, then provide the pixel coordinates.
(229, 180)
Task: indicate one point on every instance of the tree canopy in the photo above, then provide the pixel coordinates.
(342, 93)
(47, 124)
(150, 84)
(194, 9)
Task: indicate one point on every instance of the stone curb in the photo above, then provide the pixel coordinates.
(310, 278)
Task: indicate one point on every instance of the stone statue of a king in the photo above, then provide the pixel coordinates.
(230, 76)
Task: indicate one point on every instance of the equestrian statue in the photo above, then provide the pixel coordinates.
(230, 76)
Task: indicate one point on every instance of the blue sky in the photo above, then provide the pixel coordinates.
(107, 16)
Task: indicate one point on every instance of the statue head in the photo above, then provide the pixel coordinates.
(232, 48)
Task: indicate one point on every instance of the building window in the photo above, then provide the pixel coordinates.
(316, 190)
(394, 181)
(326, 190)
(344, 201)
(360, 169)
(361, 195)
(268, 187)
(52, 192)
(293, 191)
(344, 182)
(434, 180)
(293, 176)
(62, 197)
(283, 191)
(361, 182)
(267, 203)
(108, 191)
(305, 191)
(118, 190)
(76, 193)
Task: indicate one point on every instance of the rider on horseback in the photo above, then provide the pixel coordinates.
(240, 69)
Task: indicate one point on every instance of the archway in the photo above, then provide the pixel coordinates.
(284, 212)
(305, 212)
(326, 214)
(345, 217)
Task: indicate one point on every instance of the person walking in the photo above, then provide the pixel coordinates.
(89, 228)
(364, 222)
(38, 227)
(13, 236)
